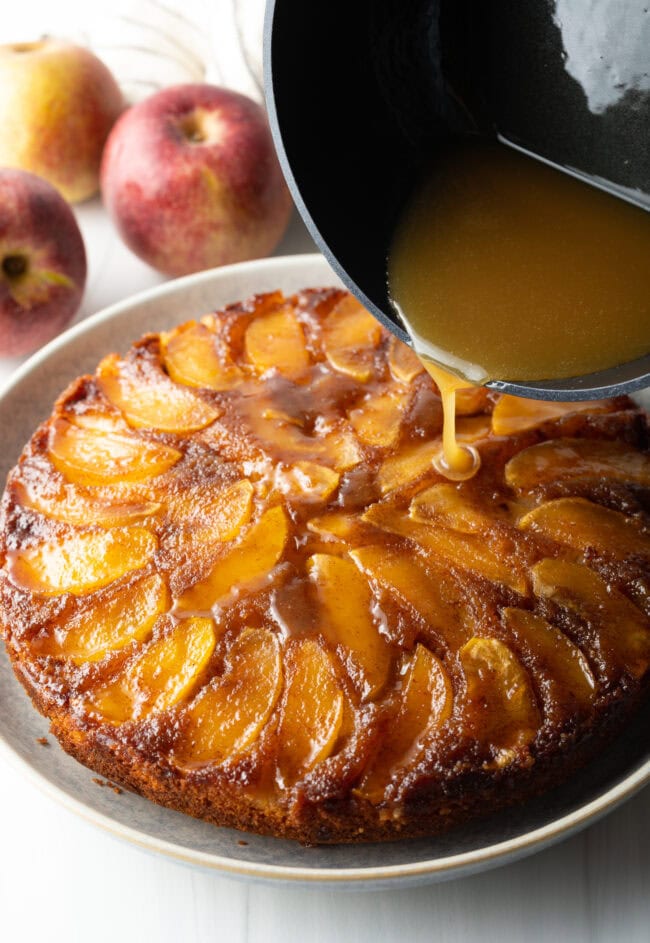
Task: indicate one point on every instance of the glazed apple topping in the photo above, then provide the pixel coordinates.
(79, 562)
(149, 399)
(193, 356)
(237, 534)
(87, 456)
(514, 414)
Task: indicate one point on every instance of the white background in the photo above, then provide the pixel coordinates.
(64, 880)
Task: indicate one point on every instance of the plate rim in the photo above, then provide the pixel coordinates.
(371, 877)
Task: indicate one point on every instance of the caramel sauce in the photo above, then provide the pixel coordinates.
(505, 268)
(456, 462)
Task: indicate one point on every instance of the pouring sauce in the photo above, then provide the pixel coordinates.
(503, 267)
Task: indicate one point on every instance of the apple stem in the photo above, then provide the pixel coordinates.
(13, 266)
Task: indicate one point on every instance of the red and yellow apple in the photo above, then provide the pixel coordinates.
(57, 104)
(42, 262)
(191, 180)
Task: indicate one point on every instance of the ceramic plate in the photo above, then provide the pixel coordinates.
(500, 838)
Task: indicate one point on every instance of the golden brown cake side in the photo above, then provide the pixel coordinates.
(235, 582)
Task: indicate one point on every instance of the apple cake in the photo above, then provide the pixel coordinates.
(234, 581)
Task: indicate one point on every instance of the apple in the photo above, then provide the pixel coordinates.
(191, 179)
(57, 104)
(42, 262)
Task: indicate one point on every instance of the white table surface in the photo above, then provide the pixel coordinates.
(62, 879)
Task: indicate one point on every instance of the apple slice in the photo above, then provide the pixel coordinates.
(514, 414)
(426, 703)
(307, 481)
(80, 562)
(312, 712)
(158, 677)
(500, 708)
(71, 505)
(243, 564)
(346, 602)
(149, 399)
(404, 363)
(350, 335)
(215, 513)
(113, 624)
(560, 459)
(623, 630)
(407, 465)
(471, 400)
(426, 593)
(581, 524)
(96, 457)
(342, 449)
(99, 418)
(277, 341)
(377, 421)
(337, 525)
(282, 437)
(445, 505)
(465, 551)
(193, 356)
(471, 429)
(231, 712)
(567, 680)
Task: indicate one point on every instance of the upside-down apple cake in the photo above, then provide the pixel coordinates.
(235, 582)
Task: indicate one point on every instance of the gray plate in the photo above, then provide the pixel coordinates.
(614, 777)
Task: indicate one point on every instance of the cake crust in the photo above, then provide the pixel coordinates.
(235, 582)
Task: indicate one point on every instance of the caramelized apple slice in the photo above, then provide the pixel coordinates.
(346, 602)
(567, 680)
(312, 712)
(471, 429)
(407, 465)
(191, 357)
(500, 708)
(560, 459)
(149, 399)
(88, 456)
(404, 363)
(378, 420)
(99, 419)
(350, 335)
(426, 703)
(231, 712)
(277, 340)
(336, 525)
(284, 439)
(307, 481)
(581, 524)
(471, 400)
(447, 506)
(411, 584)
(80, 562)
(245, 563)
(160, 676)
(342, 449)
(112, 624)
(72, 505)
(623, 631)
(215, 513)
(514, 414)
(465, 551)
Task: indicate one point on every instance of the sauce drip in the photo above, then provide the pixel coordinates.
(503, 267)
(456, 462)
